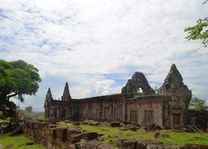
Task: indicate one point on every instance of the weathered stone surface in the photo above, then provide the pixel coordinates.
(174, 86)
(165, 109)
(95, 145)
(115, 124)
(137, 81)
(74, 130)
(104, 146)
(66, 94)
(141, 145)
(195, 146)
(45, 136)
(76, 137)
(90, 135)
(127, 144)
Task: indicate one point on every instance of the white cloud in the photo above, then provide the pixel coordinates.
(80, 41)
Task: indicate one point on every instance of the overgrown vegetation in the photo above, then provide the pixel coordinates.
(110, 134)
(18, 142)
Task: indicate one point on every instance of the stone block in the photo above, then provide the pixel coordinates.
(115, 124)
(90, 135)
(76, 137)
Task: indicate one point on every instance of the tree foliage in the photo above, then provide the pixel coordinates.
(199, 31)
(17, 78)
(198, 104)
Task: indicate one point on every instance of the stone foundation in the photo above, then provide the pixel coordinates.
(54, 137)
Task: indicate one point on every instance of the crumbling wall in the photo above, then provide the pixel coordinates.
(138, 81)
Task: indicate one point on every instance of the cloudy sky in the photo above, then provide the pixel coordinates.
(96, 45)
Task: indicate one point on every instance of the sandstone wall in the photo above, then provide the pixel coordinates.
(147, 109)
(102, 108)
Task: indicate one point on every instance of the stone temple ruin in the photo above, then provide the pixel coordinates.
(137, 103)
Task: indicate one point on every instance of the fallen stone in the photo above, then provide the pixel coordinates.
(90, 135)
(123, 129)
(10, 146)
(153, 127)
(157, 134)
(142, 130)
(115, 124)
(104, 146)
(52, 126)
(76, 123)
(76, 137)
(17, 131)
(164, 136)
(93, 123)
(73, 146)
(96, 145)
(74, 130)
(29, 143)
(195, 146)
(133, 128)
(140, 145)
(126, 144)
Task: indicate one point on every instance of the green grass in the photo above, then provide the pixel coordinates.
(176, 138)
(18, 142)
(181, 138)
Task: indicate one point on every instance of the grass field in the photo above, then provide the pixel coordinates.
(17, 142)
(175, 138)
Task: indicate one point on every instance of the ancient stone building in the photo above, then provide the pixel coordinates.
(137, 103)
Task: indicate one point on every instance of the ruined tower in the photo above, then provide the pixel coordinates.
(174, 87)
(66, 94)
(136, 83)
(48, 100)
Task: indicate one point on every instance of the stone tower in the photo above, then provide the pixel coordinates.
(66, 94)
(179, 94)
(138, 81)
(174, 86)
(48, 100)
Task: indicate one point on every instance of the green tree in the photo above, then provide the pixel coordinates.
(198, 104)
(28, 108)
(17, 78)
(199, 31)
